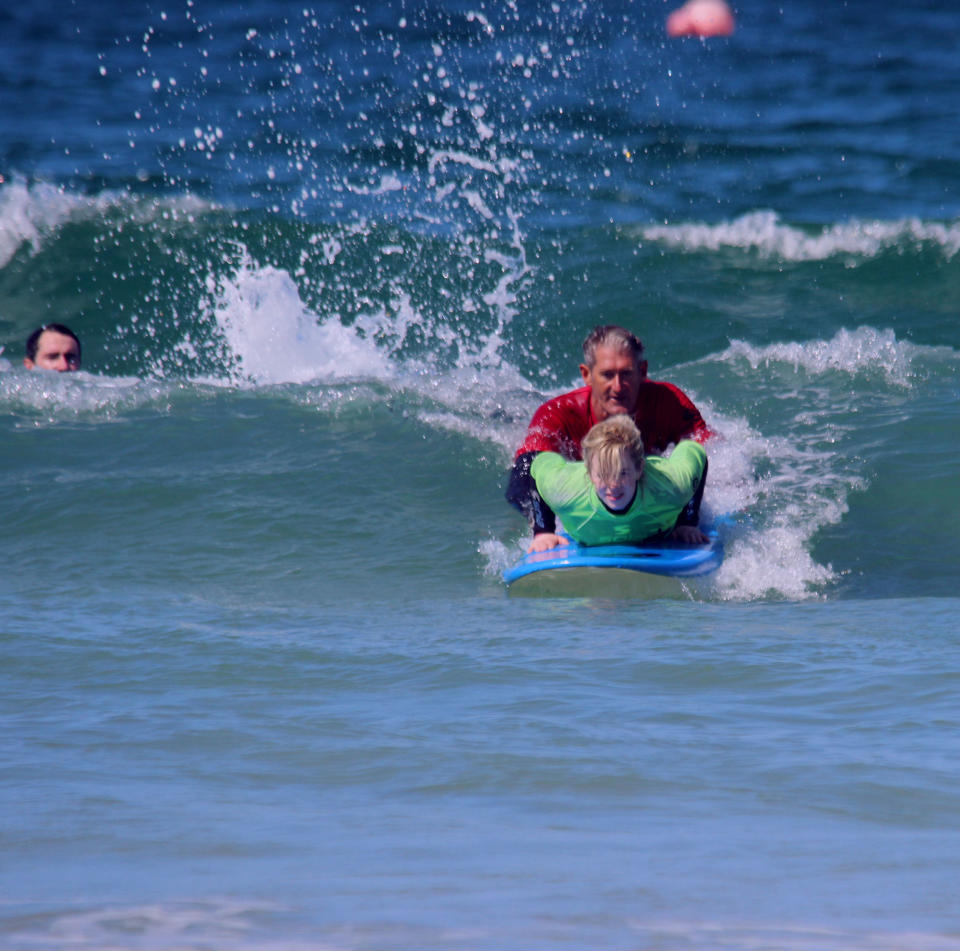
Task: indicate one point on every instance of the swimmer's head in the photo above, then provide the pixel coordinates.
(613, 454)
(52, 347)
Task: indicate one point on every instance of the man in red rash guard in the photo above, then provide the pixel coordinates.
(615, 375)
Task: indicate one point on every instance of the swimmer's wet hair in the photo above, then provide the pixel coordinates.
(608, 442)
(33, 341)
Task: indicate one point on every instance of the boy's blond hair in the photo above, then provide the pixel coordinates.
(608, 442)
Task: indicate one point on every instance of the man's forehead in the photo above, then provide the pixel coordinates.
(56, 339)
(609, 354)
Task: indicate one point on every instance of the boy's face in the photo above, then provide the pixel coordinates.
(617, 491)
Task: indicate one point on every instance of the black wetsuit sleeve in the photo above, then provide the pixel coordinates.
(522, 494)
(691, 511)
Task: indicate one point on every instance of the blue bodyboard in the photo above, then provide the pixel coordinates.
(557, 569)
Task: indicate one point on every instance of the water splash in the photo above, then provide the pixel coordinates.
(275, 338)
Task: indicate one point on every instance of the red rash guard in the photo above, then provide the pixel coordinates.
(664, 415)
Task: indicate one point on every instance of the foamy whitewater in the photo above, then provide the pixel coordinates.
(262, 684)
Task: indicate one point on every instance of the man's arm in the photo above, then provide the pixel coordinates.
(691, 511)
(522, 494)
(687, 529)
(557, 426)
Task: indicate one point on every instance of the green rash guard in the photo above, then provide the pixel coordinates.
(666, 487)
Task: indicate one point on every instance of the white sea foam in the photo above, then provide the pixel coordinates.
(862, 353)
(864, 350)
(772, 494)
(27, 214)
(45, 398)
(31, 214)
(237, 925)
(163, 926)
(747, 935)
(499, 555)
(764, 233)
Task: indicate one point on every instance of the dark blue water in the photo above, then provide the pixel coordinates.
(261, 683)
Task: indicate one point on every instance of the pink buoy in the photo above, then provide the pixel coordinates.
(701, 18)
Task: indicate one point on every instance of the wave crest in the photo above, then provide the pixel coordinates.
(765, 233)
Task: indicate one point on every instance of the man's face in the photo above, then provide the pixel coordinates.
(55, 351)
(614, 382)
(618, 490)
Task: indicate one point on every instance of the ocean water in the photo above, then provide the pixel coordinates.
(261, 686)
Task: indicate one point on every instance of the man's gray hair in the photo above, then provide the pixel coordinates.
(610, 335)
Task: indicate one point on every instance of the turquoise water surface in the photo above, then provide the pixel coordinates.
(262, 686)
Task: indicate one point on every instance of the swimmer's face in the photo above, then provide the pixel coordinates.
(617, 489)
(55, 351)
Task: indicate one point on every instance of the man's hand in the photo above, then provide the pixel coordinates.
(545, 541)
(688, 535)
